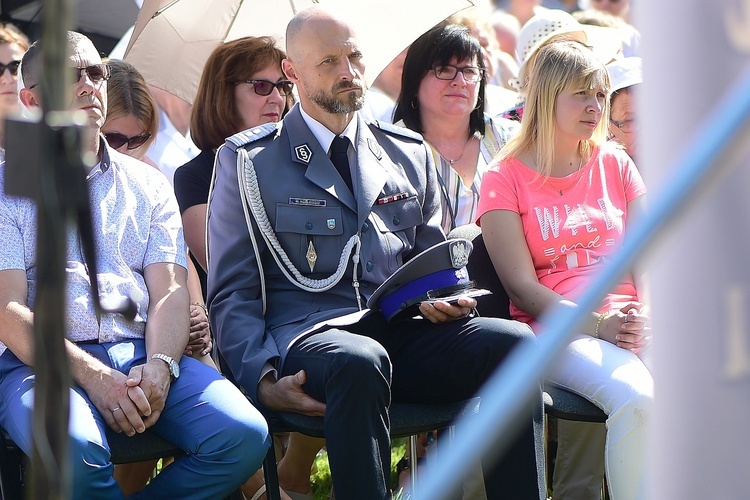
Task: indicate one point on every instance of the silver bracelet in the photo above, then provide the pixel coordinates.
(202, 306)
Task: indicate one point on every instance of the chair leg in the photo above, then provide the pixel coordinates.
(413, 464)
(11, 470)
(271, 475)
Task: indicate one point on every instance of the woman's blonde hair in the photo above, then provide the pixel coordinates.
(560, 67)
(10, 33)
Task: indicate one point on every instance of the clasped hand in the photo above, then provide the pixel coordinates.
(133, 403)
(628, 327)
(200, 334)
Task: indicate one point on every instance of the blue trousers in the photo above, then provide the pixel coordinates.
(225, 438)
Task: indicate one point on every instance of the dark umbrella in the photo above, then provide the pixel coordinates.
(103, 21)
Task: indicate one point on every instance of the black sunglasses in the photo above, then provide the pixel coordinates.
(116, 140)
(97, 73)
(265, 87)
(11, 66)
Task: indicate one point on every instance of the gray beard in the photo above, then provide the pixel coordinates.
(337, 106)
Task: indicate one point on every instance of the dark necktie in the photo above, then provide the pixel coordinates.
(340, 159)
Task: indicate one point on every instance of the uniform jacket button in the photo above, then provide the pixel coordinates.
(396, 220)
(308, 225)
(369, 266)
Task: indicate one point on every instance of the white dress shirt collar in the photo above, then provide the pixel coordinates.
(325, 136)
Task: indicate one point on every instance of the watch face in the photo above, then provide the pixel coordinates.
(175, 369)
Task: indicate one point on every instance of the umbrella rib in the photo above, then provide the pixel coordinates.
(164, 8)
(234, 19)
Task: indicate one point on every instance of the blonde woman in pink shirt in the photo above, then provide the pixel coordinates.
(555, 205)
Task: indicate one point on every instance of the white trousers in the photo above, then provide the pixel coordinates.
(619, 383)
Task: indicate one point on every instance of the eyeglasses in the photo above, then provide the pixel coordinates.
(265, 87)
(627, 126)
(11, 66)
(116, 140)
(97, 73)
(472, 74)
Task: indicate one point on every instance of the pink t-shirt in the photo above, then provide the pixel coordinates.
(573, 223)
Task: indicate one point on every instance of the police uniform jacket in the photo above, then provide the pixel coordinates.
(396, 213)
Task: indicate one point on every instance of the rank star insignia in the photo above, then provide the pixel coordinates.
(459, 254)
(303, 153)
(311, 256)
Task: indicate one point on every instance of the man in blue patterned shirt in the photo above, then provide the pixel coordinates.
(129, 375)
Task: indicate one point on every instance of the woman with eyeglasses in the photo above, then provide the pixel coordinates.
(131, 124)
(132, 116)
(443, 97)
(13, 44)
(558, 202)
(626, 76)
(242, 86)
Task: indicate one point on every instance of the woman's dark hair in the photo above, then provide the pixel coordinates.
(214, 116)
(440, 45)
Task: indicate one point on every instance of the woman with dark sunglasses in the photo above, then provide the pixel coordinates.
(242, 87)
(13, 44)
(130, 127)
(132, 115)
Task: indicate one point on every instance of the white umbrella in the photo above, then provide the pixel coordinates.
(173, 38)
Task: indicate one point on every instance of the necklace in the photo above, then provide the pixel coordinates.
(454, 160)
(580, 164)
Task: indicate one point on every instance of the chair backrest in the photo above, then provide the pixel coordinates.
(483, 272)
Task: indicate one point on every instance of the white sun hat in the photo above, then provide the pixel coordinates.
(625, 72)
(605, 42)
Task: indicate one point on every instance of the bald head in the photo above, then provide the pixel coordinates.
(324, 61)
(309, 22)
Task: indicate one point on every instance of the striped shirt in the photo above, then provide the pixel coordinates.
(459, 201)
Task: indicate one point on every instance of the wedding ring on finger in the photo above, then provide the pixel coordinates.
(113, 410)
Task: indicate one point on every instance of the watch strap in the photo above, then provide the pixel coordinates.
(169, 360)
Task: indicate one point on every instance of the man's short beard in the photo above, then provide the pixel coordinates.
(340, 106)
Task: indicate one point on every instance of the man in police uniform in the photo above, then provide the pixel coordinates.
(287, 300)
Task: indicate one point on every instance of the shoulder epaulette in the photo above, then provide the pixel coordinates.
(389, 128)
(251, 135)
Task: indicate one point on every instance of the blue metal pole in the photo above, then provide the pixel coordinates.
(506, 394)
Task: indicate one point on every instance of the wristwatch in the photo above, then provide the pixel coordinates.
(174, 366)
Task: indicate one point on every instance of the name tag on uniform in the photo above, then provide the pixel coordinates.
(307, 202)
